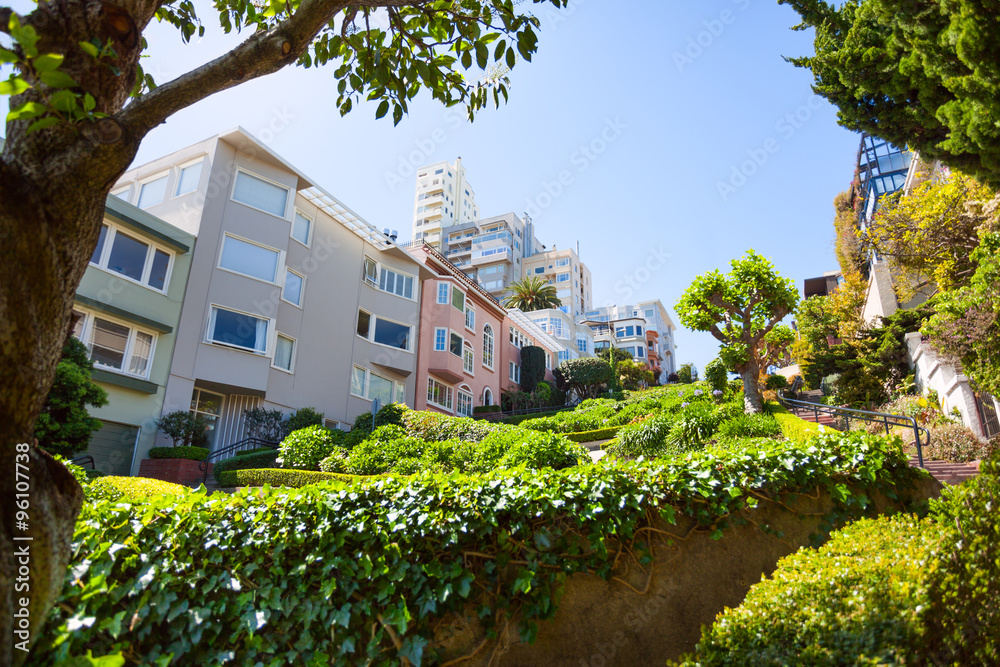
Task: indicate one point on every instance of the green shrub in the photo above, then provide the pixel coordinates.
(130, 489)
(256, 450)
(647, 438)
(428, 425)
(956, 443)
(693, 426)
(280, 477)
(485, 409)
(716, 375)
(264, 459)
(750, 426)
(303, 418)
(305, 448)
(393, 413)
(78, 472)
(775, 382)
(262, 577)
(183, 428)
(794, 427)
(544, 451)
(190, 453)
(94, 474)
(591, 436)
(334, 462)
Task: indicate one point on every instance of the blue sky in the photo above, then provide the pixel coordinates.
(701, 142)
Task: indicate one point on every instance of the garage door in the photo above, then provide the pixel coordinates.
(112, 448)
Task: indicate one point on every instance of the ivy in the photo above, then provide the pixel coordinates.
(360, 573)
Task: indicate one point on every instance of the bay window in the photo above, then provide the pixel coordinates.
(240, 330)
(127, 255)
(260, 194)
(114, 345)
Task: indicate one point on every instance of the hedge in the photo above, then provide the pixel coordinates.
(279, 477)
(894, 590)
(183, 452)
(112, 488)
(264, 459)
(365, 573)
(591, 436)
(485, 409)
(794, 427)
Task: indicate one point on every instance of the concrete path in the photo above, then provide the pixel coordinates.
(949, 473)
(596, 452)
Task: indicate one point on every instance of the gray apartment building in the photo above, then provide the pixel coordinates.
(293, 300)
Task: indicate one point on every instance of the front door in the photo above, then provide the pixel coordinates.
(208, 406)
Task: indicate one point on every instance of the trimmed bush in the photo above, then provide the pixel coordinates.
(485, 409)
(256, 450)
(794, 427)
(428, 425)
(693, 426)
(956, 443)
(303, 418)
(392, 413)
(750, 426)
(305, 448)
(648, 438)
(280, 477)
(262, 577)
(591, 436)
(265, 459)
(129, 489)
(182, 452)
(775, 382)
(716, 375)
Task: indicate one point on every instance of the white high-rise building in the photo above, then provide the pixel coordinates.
(443, 199)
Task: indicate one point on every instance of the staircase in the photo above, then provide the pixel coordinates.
(815, 396)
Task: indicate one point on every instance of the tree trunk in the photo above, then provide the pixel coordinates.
(753, 402)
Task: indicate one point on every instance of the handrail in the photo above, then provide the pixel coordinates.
(245, 443)
(494, 416)
(865, 416)
(86, 458)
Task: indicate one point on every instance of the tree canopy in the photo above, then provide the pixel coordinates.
(532, 293)
(64, 426)
(586, 376)
(924, 75)
(742, 310)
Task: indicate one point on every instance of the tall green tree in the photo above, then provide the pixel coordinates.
(64, 426)
(532, 293)
(742, 310)
(919, 74)
(81, 105)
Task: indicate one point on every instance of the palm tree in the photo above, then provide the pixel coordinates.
(532, 293)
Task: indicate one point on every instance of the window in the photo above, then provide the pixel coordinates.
(249, 259)
(581, 344)
(371, 271)
(260, 194)
(468, 359)
(518, 339)
(292, 291)
(396, 283)
(392, 334)
(380, 388)
(649, 313)
(487, 396)
(457, 299)
(470, 318)
(539, 269)
(152, 192)
(455, 346)
(514, 372)
(488, 346)
(364, 323)
(638, 331)
(122, 193)
(562, 278)
(640, 352)
(562, 261)
(131, 257)
(442, 296)
(301, 226)
(440, 339)
(284, 351)
(188, 178)
(464, 403)
(359, 379)
(438, 394)
(116, 346)
(228, 327)
(563, 356)
(548, 361)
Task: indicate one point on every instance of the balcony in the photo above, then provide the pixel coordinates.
(446, 366)
(480, 257)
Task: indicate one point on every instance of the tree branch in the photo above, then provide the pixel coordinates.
(5, 14)
(262, 53)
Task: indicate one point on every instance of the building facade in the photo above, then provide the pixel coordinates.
(576, 339)
(127, 310)
(443, 199)
(293, 301)
(492, 251)
(628, 327)
(570, 276)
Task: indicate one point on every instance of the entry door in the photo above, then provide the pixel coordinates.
(113, 447)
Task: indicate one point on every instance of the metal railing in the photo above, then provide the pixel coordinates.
(82, 461)
(497, 416)
(866, 416)
(229, 450)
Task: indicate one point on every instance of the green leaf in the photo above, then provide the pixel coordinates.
(43, 123)
(8, 56)
(89, 49)
(50, 62)
(397, 114)
(26, 111)
(15, 85)
(383, 109)
(57, 79)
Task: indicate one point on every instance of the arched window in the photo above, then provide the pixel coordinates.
(488, 346)
(487, 396)
(464, 401)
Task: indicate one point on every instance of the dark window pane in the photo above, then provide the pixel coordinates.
(456, 345)
(128, 256)
(364, 320)
(158, 274)
(238, 329)
(107, 343)
(392, 334)
(96, 257)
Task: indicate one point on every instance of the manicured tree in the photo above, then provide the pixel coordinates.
(64, 426)
(717, 375)
(742, 310)
(616, 354)
(81, 106)
(532, 367)
(183, 428)
(633, 375)
(302, 418)
(685, 374)
(532, 293)
(586, 377)
(922, 75)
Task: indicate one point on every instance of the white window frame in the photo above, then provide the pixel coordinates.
(267, 352)
(151, 179)
(468, 359)
(364, 388)
(514, 372)
(309, 233)
(444, 293)
(277, 269)
(376, 283)
(470, 312)
(464, 392)
(461, 338)
(450, 394)
(302, 290)
(182, 167)
(102, 261)
(127, 190)
(373, 323)
(87, 331)
(444, 333)
(491, 348)
(290, 196)
(295, 349)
